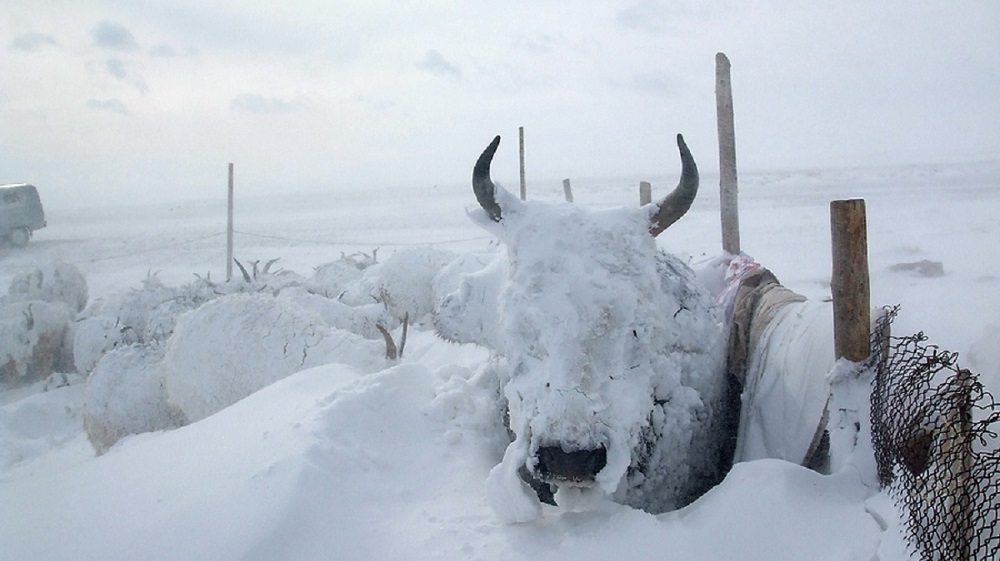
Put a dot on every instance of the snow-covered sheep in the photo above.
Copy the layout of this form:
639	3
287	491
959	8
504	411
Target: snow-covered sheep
148	313
125	395
336	276
362	320
612	354
52	282
234	345
96	335
403	283
31	339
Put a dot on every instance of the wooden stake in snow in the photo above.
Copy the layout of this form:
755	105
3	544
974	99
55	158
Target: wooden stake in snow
728	193
520	150
956	450
849	283
956	446
229	229
645	193
567	191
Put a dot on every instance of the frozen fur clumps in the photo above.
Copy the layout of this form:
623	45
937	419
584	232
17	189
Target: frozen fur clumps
608	342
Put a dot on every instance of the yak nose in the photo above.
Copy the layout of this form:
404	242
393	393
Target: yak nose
577	465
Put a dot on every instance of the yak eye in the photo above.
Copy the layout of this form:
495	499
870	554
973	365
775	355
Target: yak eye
634	334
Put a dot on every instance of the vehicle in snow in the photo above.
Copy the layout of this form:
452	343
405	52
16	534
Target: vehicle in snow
21	213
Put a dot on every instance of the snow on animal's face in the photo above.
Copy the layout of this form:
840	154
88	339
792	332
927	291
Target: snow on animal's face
610	345
581	325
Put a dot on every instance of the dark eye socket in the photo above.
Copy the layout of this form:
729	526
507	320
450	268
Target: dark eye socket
634	334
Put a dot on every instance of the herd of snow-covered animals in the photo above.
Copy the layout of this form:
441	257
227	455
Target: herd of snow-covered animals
610	355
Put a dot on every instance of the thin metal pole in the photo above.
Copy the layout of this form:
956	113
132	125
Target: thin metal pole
229	229
520	138
645	193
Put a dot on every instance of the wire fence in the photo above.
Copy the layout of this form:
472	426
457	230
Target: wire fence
935	447
285	239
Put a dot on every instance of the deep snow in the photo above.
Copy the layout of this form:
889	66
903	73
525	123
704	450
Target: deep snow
332	463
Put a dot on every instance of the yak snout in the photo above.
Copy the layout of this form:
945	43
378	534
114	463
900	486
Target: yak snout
577	466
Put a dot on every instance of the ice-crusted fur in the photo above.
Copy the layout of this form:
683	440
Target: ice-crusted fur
607	341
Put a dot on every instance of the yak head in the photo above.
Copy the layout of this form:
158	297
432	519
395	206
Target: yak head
596	329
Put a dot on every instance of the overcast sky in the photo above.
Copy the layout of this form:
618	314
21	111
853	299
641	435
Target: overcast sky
145	98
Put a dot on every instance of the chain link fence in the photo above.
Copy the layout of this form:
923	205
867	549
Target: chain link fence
936	447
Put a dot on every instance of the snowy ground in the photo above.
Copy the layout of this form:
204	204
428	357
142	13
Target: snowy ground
329	463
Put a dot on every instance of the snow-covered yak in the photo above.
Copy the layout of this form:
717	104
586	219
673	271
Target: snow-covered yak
610	352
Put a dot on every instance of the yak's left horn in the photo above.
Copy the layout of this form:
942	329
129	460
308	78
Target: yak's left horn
482	185
674	205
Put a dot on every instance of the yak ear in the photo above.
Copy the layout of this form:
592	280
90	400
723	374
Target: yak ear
677	203
470	313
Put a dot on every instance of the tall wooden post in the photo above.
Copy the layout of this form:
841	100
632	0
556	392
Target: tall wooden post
229	228
849	282
567	191
728	192
645	193
520	150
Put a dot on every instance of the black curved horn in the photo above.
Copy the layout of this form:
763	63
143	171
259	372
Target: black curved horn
482	185
674	205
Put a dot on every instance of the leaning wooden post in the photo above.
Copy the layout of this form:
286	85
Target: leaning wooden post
645	193
728	192
849	283
520	150
956	454
567	191
229	229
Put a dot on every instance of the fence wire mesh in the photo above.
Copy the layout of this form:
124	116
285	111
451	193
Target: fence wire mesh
936	448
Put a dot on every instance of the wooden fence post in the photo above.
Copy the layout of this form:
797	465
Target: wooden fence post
728	192
520	150
229	228
567	191
956	452
645	193
849	282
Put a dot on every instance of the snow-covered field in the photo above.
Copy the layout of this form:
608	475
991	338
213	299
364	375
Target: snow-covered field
331	463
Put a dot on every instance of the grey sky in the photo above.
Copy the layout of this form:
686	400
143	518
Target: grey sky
145	97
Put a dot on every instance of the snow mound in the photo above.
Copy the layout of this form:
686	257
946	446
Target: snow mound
332	462
125	395
237	344
33	426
